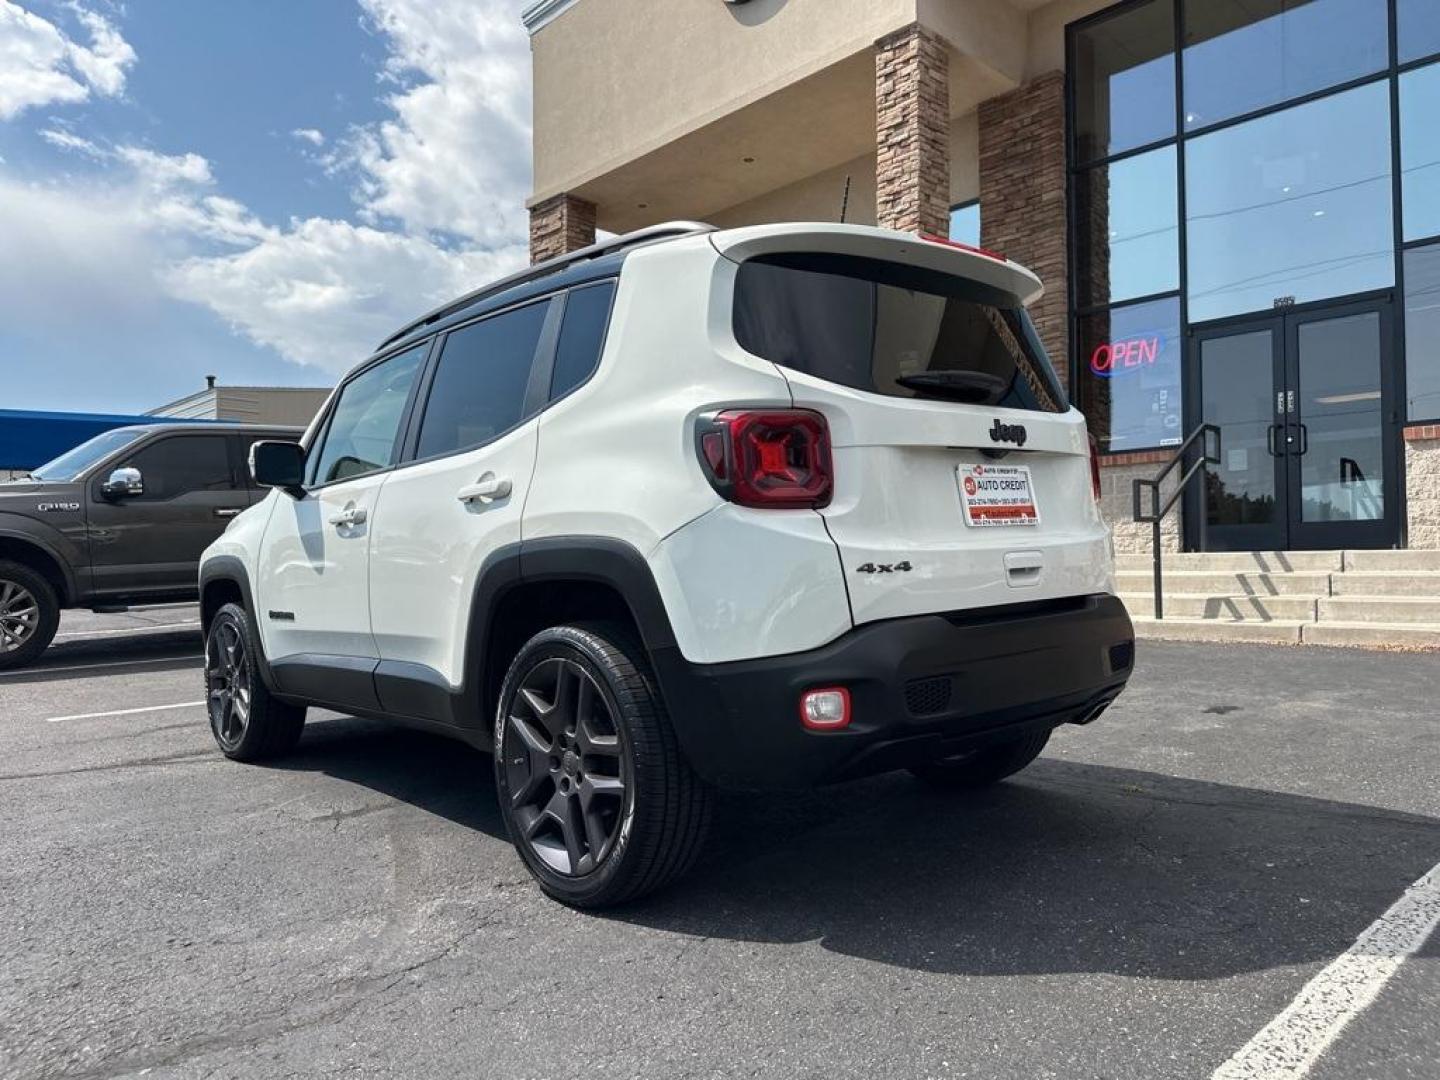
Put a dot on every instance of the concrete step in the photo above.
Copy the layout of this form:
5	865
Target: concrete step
1394	610
1394	561
1224	608
1372	635
1226	583
1386	583
1275	633
1261	561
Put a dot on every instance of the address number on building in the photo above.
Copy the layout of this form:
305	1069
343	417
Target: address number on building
994	495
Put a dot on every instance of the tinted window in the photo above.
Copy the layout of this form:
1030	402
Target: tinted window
894	330
1422	332
1297	203
1125	81
69	465
181	464
1419	26
965	224
1130	375
479	387
587	311
360	435
1420	151
1130	238
1241	55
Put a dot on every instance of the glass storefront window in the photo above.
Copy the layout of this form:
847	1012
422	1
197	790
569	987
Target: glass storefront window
1124	68
1296	204
1242	55
1419	28
1420	150
1126	217
1422	333
1130	375
965	224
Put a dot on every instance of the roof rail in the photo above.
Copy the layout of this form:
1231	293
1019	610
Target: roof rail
669	230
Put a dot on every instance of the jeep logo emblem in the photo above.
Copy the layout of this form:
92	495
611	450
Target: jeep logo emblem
1008	433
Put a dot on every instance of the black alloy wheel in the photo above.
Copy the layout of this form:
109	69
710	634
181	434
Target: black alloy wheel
565	766
227	684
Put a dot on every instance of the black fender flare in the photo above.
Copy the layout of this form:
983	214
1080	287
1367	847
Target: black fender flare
229	568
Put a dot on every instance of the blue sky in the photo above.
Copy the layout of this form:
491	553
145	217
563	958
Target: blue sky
256	190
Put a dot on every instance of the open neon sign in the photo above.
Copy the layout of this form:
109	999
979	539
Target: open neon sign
1126	356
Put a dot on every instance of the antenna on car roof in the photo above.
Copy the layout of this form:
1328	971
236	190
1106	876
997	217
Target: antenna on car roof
845	201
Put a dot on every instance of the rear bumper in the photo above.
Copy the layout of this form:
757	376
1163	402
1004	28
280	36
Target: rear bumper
921	688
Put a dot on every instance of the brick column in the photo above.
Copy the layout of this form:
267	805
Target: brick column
1022	196
912	131
560	224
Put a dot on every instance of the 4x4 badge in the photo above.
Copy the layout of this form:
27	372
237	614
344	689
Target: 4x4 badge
884	568
1015	433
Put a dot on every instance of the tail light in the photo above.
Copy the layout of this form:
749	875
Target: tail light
1095	467
773	458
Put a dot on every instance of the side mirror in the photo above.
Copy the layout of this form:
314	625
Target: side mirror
123	483
278	464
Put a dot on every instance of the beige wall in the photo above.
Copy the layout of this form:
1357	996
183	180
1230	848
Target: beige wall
615	79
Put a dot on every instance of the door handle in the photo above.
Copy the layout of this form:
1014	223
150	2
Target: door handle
1270	433
1304	439
351	515
227	511
486	490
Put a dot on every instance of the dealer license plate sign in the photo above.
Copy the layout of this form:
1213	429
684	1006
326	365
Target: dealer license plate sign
994	495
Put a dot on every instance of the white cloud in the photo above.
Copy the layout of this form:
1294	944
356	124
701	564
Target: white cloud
440	188
40	64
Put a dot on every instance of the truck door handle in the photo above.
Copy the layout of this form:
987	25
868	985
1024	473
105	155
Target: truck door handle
351	515
227	511
486	490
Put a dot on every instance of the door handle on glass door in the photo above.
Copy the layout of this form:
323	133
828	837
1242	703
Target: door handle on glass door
487	489
351	515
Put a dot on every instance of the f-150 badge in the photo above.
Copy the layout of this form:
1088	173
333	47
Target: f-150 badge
53	508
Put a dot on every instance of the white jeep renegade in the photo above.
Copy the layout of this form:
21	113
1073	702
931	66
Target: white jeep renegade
771	506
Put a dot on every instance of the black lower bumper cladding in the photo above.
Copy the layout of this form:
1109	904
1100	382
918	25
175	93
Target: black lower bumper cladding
921	688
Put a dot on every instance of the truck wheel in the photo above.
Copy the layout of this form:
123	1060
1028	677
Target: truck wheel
598	800
29	614
247	722
983	767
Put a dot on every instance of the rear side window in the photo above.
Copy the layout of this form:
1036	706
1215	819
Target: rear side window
181	464
479	387
361	434
582	335
893	329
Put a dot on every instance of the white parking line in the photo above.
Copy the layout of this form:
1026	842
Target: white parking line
1289	1045
92	667
124	712
128	629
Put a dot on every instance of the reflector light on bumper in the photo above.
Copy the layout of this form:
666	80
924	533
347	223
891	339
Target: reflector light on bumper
825	710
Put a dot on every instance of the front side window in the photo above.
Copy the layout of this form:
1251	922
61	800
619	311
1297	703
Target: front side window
69	465
480	382
361	434
1242	55
1130	375
181	464
1296	204
892	329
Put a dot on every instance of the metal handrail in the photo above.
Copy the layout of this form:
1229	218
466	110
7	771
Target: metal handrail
1157	512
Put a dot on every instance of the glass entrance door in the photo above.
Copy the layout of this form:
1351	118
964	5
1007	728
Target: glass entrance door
1308	450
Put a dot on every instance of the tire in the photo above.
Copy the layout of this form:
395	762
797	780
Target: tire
29	614
248	723
605	810
984	767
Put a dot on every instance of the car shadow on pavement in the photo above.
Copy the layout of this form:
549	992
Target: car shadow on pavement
1068	867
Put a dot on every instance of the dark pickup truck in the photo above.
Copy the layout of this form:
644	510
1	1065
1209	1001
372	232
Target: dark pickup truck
118	521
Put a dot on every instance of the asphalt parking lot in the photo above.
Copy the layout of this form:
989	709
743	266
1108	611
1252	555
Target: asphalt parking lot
1141	902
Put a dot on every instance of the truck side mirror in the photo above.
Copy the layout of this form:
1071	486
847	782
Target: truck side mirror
123	483
279	464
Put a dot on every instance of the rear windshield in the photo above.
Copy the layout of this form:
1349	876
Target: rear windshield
893	329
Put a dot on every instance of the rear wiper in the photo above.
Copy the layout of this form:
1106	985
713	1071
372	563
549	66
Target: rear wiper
972	387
